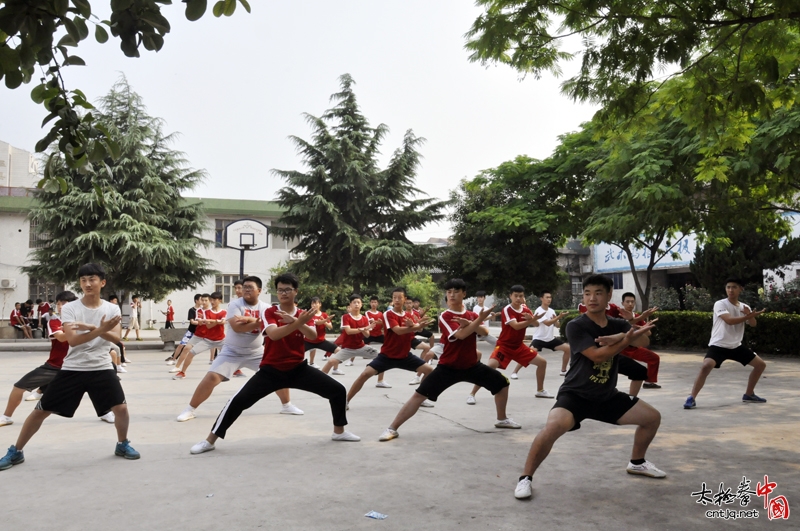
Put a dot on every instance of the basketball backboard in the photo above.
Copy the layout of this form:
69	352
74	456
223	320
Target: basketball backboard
247	235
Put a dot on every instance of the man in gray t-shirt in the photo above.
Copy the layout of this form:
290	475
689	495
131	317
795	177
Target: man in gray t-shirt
589	390
91	325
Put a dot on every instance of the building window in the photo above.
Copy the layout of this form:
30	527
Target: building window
219	231
37	239
617	278
41	289
224	284
577	285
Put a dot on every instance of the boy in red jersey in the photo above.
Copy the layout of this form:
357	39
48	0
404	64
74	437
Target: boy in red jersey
283	366
18	321
355	328
376	316
321	321
400	328
458	363
642	354
41	376
170	314
516	318
186	357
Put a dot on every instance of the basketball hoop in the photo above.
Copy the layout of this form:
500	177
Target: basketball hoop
246	235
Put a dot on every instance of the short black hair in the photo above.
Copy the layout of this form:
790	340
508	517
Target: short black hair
315	299
628	294
455	283
374	298
38	301
545	292
735	280
216	295
89	270
66	296
197	297
206	295
135	296
287	278
239	282
480	293
113	297
400	289
355	296
517	288
255	280
599	280
415	299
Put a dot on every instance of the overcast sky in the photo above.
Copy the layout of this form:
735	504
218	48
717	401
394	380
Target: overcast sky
236	88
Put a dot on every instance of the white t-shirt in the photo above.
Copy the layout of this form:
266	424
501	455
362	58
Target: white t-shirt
245	342
725	335
478	309
92	355
134	311
544	332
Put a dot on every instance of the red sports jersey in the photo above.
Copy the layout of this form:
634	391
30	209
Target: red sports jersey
58	349
612	310
375	316
458	353
394	345
16	318
44	309
201	330
216	333
417	313
510	338
321	329
170	313
354	341
288	352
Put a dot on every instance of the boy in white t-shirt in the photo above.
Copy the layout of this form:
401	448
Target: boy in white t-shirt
91	326
544	332
480	301
727	333
133	324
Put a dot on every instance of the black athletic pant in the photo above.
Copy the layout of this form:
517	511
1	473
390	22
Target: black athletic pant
168	325
269	379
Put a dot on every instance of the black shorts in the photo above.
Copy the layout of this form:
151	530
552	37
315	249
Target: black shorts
631	368
415	343
38	377
383	363
424	333
443	377
608	411
538	344
325	345
742	354
65	392
374	339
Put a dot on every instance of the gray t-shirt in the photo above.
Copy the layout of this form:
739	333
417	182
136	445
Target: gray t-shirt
247	342
587	379
92	355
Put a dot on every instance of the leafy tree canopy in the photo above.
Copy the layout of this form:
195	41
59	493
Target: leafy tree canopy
350	217
141	231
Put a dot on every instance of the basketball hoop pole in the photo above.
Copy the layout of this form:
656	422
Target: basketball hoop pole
241	259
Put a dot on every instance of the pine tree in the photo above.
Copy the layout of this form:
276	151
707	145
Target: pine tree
350	217
125	214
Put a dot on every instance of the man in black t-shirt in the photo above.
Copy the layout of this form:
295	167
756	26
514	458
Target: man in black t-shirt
590	390
189	333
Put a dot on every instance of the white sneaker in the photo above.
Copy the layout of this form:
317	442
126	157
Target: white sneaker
523	489
211	362
175	369
120	368
5	421
348	363
33	396
471	400
314	365
388	434
507	423
345	436
543	394
383	385
347	406
415	381
290	409
170	361
562	373
109	417
337	372
202	446
426	403
514	376
187	414
646	469
123	364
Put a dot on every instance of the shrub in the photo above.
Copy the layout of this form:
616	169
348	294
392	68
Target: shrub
665	298
697	299
784	300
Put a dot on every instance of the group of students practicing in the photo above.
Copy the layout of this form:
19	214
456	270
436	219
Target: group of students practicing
273	340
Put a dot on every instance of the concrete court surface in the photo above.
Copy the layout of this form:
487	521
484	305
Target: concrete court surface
450	468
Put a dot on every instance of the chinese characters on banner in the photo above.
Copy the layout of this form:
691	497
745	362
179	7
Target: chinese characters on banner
777	507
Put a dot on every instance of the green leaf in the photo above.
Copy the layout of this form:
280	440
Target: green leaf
219	8
100	34
113	148
50	186
13	79
98	152
38	93
83	7
230	7
245	4
195	9
81	25
120	5
75	60
63	185
72	29
67	40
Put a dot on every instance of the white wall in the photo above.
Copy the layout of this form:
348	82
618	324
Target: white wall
18	167
14	232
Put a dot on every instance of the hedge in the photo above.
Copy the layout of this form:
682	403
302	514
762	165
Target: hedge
776	333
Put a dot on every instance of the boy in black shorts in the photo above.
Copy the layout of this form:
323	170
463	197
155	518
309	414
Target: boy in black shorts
458	363
590	390
91	325
727	333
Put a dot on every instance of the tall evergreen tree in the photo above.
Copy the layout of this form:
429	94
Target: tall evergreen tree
349	217
125	213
